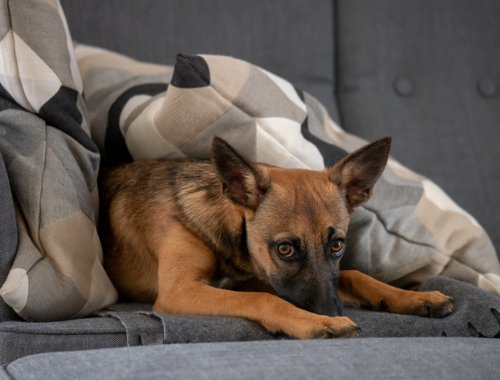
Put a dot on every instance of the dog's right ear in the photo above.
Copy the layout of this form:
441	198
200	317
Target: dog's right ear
242	181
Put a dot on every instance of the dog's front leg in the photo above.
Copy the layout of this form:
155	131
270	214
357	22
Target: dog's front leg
275	314
185	266
359	289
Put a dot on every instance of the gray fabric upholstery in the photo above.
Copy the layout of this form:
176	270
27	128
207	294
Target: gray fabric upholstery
276	35
188	328
427	73
385	358
19	339
422	71
8	235
477	314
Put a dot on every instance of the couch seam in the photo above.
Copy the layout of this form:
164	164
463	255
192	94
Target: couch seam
4	367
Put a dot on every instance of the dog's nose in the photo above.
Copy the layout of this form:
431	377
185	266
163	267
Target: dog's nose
332	306
323	300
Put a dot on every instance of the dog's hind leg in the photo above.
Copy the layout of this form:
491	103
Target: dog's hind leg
185	266
358	289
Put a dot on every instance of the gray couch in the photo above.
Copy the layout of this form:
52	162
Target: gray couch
425	72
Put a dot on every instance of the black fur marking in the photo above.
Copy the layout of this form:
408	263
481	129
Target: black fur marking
243	239
314	292
383	305
331	234
232	252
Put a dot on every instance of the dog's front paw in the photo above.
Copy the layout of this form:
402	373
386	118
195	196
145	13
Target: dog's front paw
431	304
335	327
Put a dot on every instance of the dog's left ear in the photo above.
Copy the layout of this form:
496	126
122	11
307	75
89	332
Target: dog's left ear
242	181
357	173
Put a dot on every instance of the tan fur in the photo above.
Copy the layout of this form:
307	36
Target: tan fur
172	229
358	289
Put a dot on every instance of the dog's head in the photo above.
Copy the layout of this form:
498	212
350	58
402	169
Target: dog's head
297	220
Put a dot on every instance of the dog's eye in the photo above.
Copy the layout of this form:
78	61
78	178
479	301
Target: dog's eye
338	247
285	250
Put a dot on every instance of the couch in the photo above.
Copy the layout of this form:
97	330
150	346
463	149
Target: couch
424	72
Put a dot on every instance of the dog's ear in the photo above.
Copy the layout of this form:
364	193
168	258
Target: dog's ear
356	174
242	181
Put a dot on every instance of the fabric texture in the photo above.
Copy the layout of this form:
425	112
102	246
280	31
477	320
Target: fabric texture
476	314
428	73
20	339
8	235
374	358
284	37
52	165
409	230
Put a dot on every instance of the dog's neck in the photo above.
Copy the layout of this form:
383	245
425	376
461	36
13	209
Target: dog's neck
219	222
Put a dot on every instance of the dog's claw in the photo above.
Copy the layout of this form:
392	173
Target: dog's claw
428	310
435	308
354	333
330	334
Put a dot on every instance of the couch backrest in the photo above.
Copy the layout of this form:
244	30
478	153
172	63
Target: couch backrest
290	38
428	73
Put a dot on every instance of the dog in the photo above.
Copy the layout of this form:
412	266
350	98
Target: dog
178	233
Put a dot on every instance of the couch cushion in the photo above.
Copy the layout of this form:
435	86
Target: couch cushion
19	339
428	73
476	314
386	358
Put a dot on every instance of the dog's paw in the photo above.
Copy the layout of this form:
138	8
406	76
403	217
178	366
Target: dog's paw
335	327
432	304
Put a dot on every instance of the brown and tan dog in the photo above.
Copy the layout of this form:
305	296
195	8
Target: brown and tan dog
173	229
